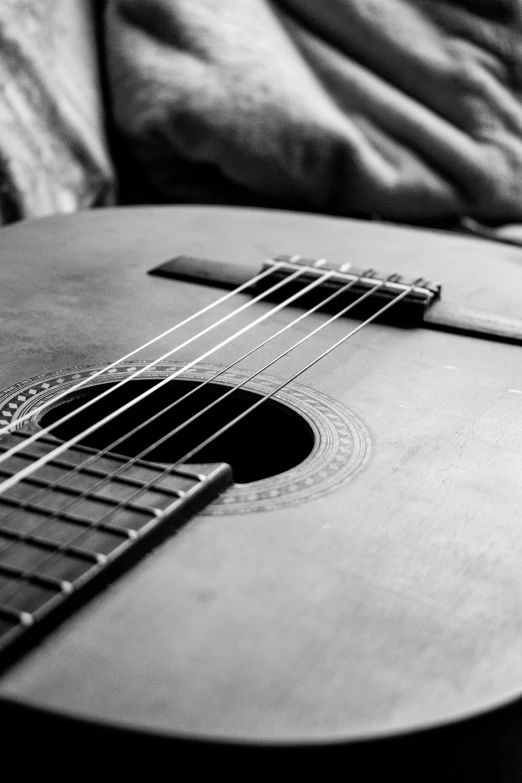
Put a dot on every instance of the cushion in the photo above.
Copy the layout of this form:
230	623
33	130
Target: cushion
408	110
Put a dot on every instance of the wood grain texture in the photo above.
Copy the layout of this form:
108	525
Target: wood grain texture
389	606
474	322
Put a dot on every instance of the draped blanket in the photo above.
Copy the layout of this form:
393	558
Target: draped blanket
53	156
406	109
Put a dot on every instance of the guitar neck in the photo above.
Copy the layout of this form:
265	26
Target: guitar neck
108	518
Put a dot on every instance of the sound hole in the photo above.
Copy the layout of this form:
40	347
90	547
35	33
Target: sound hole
270	440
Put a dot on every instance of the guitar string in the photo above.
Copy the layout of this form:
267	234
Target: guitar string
245	413
46	430
14	586
282	385
108	449
35	412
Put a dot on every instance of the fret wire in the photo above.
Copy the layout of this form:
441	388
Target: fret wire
98	560
124	533
253	281
46	484
46	581
103	526
100	525
45	543
51	441
23	618
58	589
97	472
94	560
72	441
21	579
125	465
71	517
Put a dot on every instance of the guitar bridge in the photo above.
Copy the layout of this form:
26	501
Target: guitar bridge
409	311
383	288
422	305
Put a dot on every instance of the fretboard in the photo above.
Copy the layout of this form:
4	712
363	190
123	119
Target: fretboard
66	530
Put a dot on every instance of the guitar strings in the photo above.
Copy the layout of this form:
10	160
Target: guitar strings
15	579
253	375
217	434
19	476
110	448
70	390
46	430
27	502
12	586
310	364
112	389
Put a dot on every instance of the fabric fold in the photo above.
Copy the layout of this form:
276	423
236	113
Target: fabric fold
409	109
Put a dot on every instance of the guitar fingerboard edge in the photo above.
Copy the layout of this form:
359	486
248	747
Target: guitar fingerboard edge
61	542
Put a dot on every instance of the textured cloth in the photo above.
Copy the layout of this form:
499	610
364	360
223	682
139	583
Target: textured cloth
407	109
53	156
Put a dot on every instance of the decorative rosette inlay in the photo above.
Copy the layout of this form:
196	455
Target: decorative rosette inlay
342	442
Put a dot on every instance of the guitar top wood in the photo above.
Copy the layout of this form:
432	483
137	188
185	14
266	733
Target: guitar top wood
386	601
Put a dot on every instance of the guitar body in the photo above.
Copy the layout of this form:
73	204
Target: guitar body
372	597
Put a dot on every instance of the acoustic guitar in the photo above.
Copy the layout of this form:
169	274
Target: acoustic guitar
285	531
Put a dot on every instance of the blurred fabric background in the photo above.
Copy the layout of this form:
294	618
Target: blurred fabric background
406	110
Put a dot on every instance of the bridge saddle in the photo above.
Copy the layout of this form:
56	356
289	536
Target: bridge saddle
408	312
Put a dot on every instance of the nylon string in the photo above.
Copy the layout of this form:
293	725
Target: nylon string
129	463
32	467
6	428
215	435
12	586
268	396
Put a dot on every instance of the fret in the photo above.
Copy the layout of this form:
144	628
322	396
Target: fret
128	516
41	557
112	493
17	616
67	528
31	594
59	497
98	538
7	572
9	623
119	488
135	474
73	542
